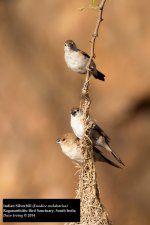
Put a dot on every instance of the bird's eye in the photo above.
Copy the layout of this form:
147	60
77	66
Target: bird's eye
71	43
63	139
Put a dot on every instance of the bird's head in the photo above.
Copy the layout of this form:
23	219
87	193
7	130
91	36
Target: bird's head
76	112
66	139
69	44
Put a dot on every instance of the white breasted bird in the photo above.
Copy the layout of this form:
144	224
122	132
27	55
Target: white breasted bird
77	60
70	146
98	136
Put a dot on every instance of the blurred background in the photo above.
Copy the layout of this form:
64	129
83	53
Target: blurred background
37	91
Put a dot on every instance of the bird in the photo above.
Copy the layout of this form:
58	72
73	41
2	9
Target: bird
77	60
70	146
98	136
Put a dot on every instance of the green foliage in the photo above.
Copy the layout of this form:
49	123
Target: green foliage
93	3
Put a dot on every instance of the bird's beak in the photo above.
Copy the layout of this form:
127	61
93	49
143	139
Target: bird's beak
58	140
73	113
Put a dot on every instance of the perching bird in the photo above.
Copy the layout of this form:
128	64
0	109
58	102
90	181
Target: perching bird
77	60
71	147
98	136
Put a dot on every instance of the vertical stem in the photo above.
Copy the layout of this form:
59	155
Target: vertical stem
85	89
92	211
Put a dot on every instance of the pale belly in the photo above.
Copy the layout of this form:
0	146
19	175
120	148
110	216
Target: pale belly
76	62
77	127
73	153
79	131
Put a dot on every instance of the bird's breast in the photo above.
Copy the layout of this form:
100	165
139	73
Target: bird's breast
73	152
76	61
77	126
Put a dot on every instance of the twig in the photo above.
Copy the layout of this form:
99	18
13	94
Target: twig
88	190
100	8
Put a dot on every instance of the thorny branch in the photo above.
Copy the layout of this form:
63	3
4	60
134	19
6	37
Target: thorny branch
92	211
100	7
85	105
91	208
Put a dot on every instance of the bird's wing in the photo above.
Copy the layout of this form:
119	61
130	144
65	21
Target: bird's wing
85	54
96	131
92	64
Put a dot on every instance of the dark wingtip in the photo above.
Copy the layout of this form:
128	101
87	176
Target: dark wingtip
115	165
118	159
99	76
112	163
104	159
122	163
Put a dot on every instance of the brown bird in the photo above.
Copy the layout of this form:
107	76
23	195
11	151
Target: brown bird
70	146
98	136
77	60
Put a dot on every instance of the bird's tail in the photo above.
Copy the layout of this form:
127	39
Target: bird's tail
117	158
114	154
98	75
98	156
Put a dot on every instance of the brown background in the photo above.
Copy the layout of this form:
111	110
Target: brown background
37	91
